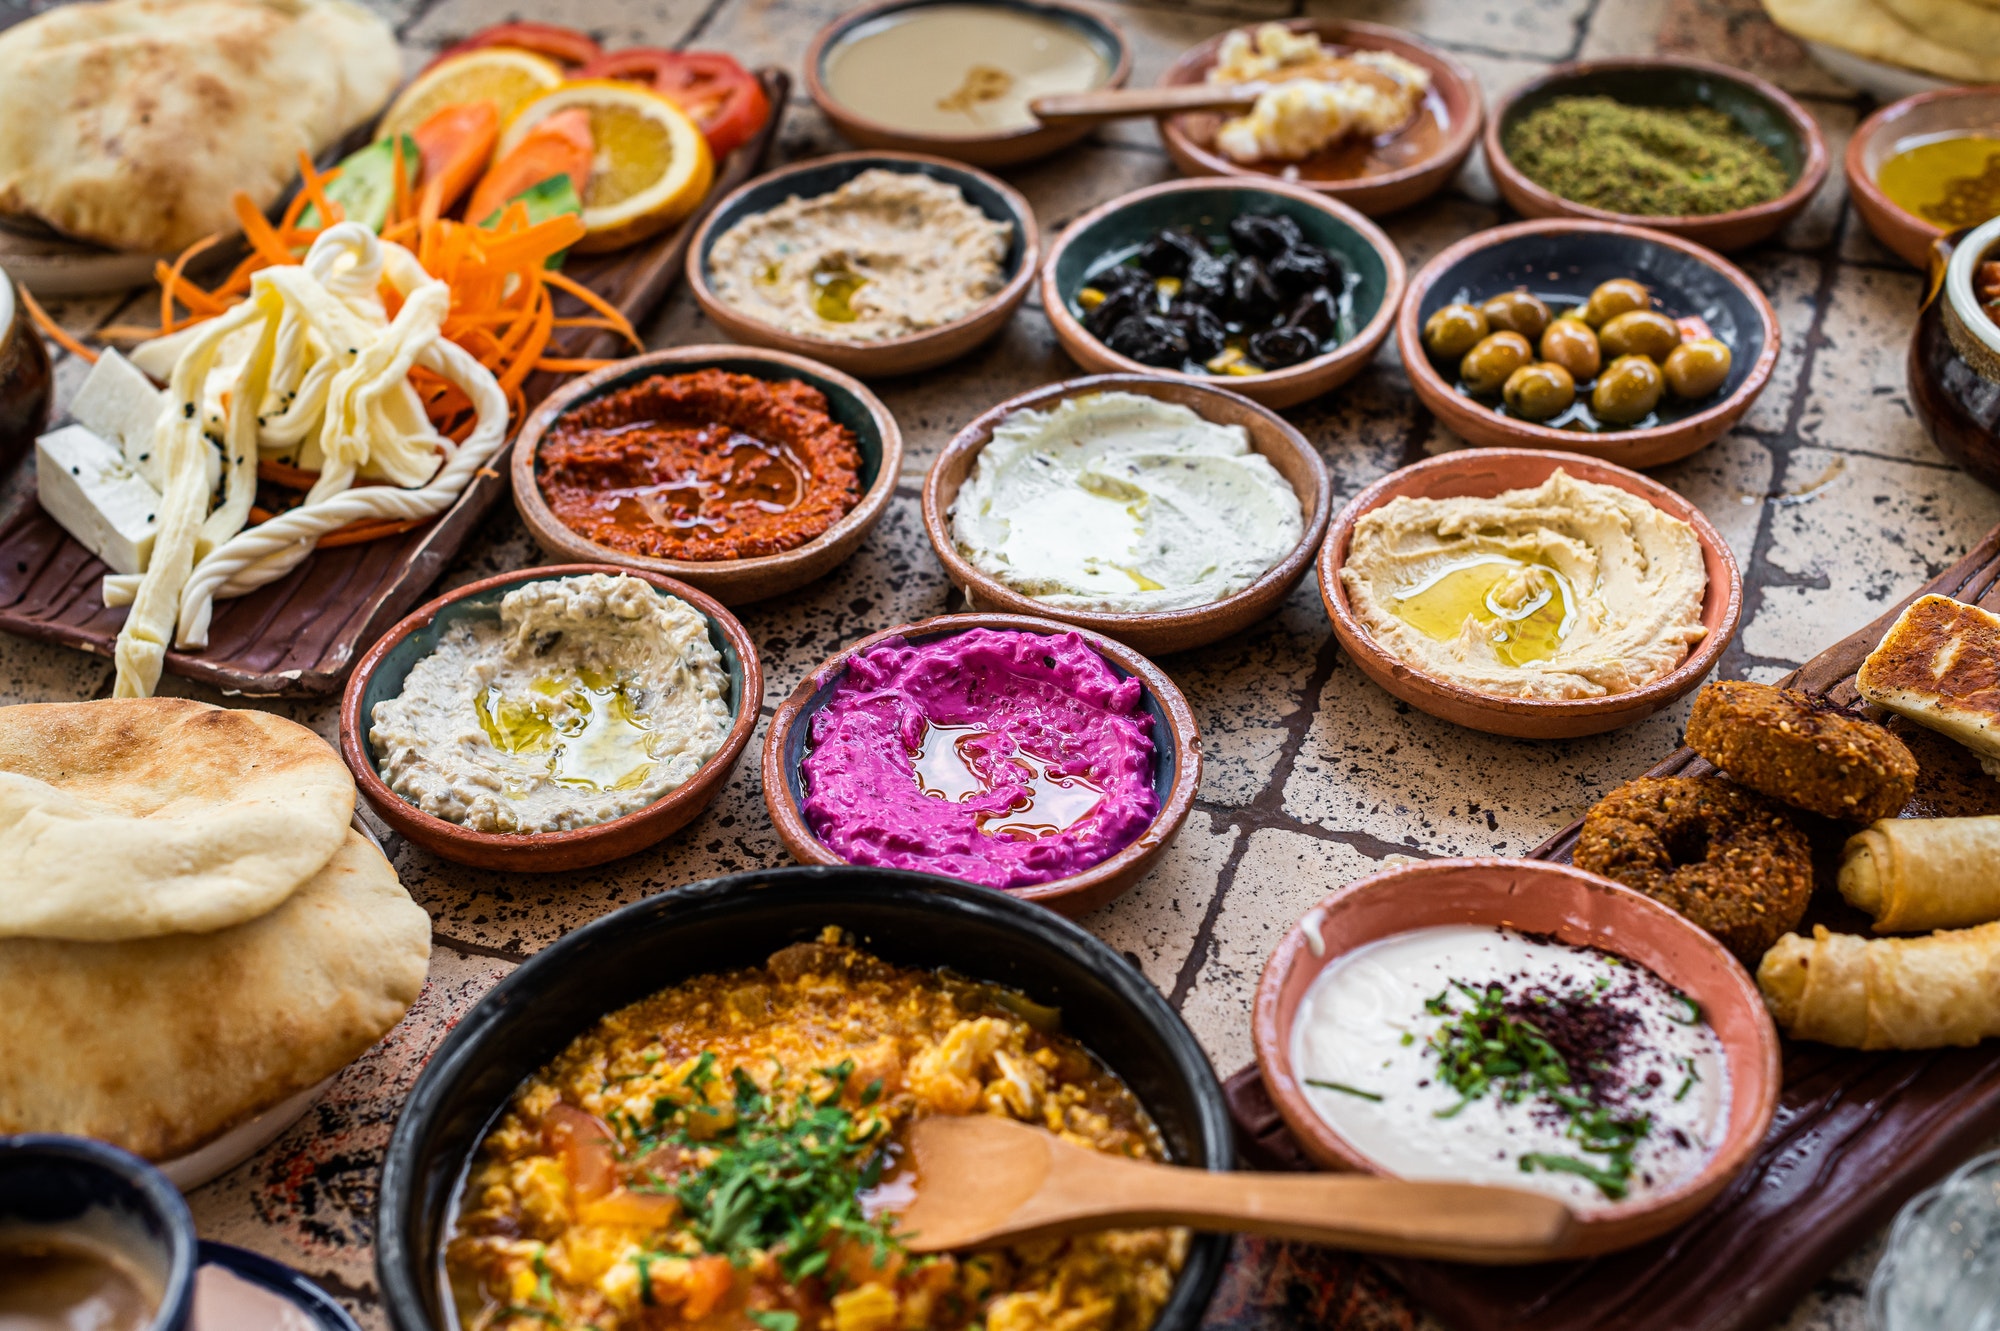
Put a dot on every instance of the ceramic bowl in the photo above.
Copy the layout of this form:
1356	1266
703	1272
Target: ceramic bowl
1159	632
1900	125
1393	171
1761	109
995	149
26	384
319	1309
1954	360
1176	771
1484	472
730	581
1371	258
1578	908
895	355
1564	260
906	918
379	677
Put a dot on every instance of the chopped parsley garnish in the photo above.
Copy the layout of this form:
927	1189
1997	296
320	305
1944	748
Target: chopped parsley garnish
1342	1088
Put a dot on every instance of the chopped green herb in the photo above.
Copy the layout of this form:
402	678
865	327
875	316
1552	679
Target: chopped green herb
774	1321
1693	1017
1344	1090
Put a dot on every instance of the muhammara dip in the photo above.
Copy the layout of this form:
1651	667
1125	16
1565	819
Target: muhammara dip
888	254
1569	590
587	699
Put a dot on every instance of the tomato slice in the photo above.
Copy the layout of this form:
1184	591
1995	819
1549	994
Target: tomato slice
564	45
588	1151
725	99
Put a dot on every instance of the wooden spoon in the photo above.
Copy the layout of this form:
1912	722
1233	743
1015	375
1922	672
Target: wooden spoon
1100	105
981	1179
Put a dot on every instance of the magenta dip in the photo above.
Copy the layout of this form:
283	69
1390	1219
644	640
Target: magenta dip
1000	757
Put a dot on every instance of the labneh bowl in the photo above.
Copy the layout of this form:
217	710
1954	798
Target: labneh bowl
889	356
380	675
1369	256
1176	761
730	581
1484	472
905	918
1152	632
1577	908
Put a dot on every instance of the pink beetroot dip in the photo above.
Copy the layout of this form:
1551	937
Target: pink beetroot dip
1003	758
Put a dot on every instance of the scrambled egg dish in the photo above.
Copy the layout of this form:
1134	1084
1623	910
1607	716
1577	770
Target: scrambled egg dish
715	1157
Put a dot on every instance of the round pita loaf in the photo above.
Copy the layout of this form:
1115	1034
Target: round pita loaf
1863	29
1957	23
137	817
163	1044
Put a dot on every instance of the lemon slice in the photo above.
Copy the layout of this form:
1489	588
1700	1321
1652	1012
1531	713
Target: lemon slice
496	74
651	167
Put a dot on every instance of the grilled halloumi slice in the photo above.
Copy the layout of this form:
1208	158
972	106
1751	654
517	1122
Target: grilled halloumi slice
1940	667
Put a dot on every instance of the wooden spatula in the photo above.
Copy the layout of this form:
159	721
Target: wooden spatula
980	1180
1069	108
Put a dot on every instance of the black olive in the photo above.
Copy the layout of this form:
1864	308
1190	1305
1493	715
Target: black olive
1253	299
1317	312
1207	280
1119	276
1169	253
1203	329
1299	270
1150	340
1265	237
1118	306
1277	347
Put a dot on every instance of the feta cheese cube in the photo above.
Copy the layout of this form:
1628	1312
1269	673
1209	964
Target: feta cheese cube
118	403
84	484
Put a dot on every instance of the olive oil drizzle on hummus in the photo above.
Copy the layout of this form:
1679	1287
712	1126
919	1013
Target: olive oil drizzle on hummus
1533	603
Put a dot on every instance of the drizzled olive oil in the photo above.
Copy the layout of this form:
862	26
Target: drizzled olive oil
594	737
1530	606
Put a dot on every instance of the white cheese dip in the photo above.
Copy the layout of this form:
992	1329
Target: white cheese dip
1370	1024
1123	503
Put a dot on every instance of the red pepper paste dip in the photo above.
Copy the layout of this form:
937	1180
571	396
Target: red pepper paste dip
702	466
999	757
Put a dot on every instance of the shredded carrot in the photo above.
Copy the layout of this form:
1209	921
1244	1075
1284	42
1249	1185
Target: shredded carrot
53	330
572	366
355	533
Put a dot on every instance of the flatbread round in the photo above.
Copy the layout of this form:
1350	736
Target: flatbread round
137	817
163	1044
1863	29
1961	24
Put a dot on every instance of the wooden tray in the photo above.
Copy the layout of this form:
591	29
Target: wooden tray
300	636
1855	1135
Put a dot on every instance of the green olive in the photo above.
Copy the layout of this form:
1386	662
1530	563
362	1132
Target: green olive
1570	343
1486	367
1454	330
1614	298
1516	312
1537	392
1629	388
1645	333
1696	369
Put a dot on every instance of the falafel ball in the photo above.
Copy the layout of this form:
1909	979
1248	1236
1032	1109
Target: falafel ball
1802	749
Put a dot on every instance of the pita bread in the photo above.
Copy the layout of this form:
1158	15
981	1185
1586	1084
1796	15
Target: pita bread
163	1044
136	817
130	123
1963	24
1863	29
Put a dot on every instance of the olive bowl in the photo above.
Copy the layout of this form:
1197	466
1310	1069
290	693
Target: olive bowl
905	918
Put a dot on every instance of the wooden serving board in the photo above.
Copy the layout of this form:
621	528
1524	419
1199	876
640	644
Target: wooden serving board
1856	1134
300	636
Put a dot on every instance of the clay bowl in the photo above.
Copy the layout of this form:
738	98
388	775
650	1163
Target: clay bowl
1176	775
1391	172
1160	632
1901	125
1372	261
1767	114
730	581
1485	472
896	355
1562	261
26	383
380	676
1578	908
1005	148
1954	357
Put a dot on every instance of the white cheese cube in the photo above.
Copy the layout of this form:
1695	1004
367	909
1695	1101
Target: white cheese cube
118	403
84	484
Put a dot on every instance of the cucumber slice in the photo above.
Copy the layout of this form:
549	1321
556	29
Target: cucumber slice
365	189
545	199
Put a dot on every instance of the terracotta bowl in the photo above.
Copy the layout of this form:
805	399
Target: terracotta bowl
1208	205
380	677
731	581
1929	115
1164	631
1578	908
1392	172
1760	108
1564	260
1484	472
1001	149
896	355
1176	776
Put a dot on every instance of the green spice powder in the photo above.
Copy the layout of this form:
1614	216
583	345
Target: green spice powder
1649	161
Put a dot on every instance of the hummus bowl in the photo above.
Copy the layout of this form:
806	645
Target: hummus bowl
1483	473
1175	757
381	676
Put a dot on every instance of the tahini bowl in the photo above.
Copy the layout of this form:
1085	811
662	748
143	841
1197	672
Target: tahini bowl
1900	125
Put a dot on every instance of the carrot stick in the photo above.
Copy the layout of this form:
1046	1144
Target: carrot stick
52	330
173	279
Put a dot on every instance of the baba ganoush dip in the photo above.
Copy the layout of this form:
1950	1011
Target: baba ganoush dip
1474	1054
1123	503
587	699
888	254
999	757
1568	590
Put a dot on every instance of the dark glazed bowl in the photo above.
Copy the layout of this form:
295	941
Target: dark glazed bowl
1760	108
26	385
1954	363
908	918
317	1306
110	1197
380	675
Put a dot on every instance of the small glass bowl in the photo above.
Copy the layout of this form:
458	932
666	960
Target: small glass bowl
1941	1269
